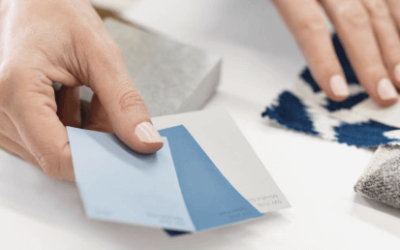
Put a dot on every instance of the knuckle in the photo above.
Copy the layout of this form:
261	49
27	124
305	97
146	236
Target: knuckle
108	47
310	24
50	164
104	56
129	98
354	14
19	86
378	8
375	71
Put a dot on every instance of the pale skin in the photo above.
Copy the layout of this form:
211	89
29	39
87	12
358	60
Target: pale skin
369	31
46	41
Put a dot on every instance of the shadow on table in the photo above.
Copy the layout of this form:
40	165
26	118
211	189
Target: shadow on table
27	191
387	218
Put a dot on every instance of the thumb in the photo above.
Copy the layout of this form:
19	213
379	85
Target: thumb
123	104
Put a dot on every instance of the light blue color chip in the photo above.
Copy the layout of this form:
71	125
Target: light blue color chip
117	184
178	188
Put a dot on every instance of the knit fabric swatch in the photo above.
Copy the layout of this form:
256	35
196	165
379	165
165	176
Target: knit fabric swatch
305	108
381	179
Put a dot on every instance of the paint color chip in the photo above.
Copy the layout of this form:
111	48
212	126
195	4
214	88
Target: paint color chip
177	188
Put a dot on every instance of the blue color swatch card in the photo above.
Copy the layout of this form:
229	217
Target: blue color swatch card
177	188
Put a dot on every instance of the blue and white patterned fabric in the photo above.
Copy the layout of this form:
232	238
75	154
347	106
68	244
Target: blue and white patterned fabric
307	109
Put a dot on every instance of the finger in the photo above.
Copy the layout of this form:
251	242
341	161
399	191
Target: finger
98	117
306	22
69	106
394	7
387	36
43	134
123	104
353	25
17	149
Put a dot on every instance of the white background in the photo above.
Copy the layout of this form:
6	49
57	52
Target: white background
317	177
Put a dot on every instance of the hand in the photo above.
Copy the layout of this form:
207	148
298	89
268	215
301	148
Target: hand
46	41
369	32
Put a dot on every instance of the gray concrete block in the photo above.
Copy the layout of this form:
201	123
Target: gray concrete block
171	77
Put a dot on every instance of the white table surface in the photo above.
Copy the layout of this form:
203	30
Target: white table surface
260	59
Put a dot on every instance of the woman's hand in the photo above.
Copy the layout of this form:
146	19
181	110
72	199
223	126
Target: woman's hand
46	41
369	31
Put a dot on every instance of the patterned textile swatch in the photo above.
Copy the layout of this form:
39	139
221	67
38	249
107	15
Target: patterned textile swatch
307	109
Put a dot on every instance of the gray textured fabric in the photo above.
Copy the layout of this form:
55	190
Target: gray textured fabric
381	179
170	76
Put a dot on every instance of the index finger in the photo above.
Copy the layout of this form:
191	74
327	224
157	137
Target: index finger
123	104
306	21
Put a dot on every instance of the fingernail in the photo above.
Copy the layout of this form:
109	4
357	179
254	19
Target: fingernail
338	86
147	133
397	72
386	90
